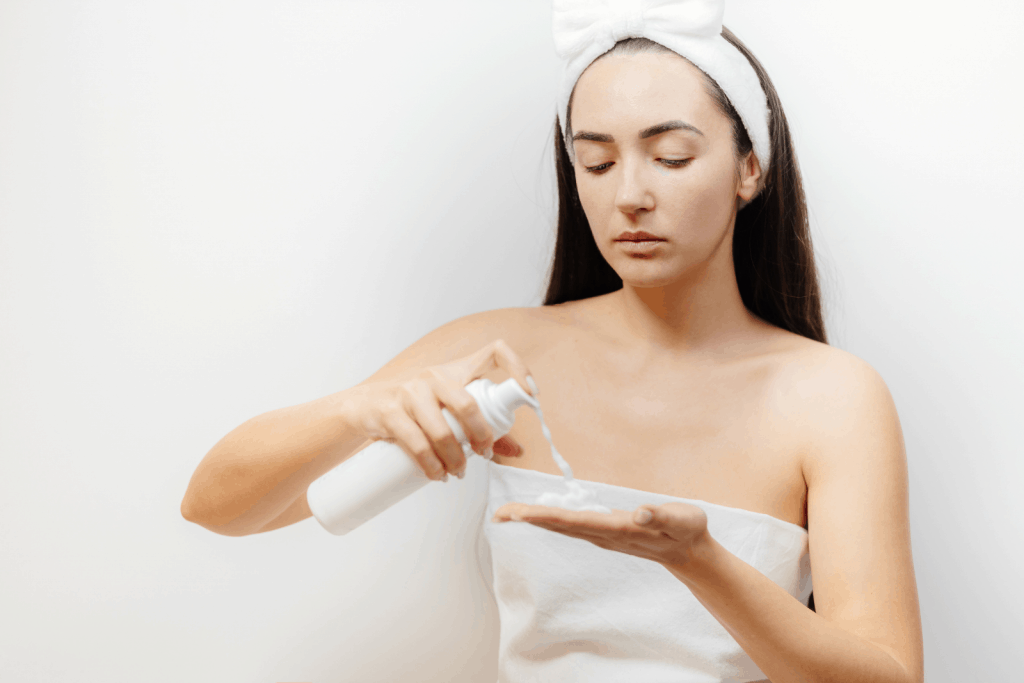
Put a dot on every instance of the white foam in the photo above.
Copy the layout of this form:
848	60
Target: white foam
577	497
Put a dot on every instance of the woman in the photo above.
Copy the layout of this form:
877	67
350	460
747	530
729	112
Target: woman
685	374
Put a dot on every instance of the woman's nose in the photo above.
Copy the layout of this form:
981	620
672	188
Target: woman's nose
633	192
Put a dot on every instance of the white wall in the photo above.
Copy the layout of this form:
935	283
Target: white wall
211	209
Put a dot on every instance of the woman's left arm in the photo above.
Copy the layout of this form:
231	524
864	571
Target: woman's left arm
867	627
867	624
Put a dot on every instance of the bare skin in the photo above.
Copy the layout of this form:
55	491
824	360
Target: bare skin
702	430
671	385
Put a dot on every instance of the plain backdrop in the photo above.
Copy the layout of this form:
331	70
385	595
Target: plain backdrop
210	209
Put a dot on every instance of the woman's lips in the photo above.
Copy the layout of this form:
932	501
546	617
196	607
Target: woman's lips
637	246
637	235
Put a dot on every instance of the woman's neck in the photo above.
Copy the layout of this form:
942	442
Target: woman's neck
697	315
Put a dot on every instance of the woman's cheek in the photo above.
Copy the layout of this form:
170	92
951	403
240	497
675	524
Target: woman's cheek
592	200
703	203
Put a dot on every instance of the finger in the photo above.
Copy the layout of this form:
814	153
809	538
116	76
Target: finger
643	516
618	526
509	360
673	518
507	446
499	354
569	531
520	512
615	539
463	407
409	435
563	518
506	512
422	404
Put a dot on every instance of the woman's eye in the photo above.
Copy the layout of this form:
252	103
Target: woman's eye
671	163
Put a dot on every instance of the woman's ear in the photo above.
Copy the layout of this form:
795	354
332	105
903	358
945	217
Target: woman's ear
750	179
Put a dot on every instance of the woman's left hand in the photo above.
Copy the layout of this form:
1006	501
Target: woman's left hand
674	532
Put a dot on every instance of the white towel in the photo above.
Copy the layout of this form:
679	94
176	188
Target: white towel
583	30
571	611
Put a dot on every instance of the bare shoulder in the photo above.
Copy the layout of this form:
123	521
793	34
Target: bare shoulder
469	332
518	326
831	384
855	467
463	336
840	403
522	327
832	400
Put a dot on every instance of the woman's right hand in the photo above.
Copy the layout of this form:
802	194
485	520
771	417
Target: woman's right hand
408	412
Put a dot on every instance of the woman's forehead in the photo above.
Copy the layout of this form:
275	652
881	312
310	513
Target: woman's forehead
654	86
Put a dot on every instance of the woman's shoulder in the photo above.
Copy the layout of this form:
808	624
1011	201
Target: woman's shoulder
502	321
816	369
521	323
839	394
803	368
521	327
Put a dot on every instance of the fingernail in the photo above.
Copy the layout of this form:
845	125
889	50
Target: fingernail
460	474
516	517
533	385
445	477
643	516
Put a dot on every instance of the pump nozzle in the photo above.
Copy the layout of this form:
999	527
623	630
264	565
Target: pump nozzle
510	395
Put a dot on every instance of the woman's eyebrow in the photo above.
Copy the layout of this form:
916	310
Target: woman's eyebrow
645	133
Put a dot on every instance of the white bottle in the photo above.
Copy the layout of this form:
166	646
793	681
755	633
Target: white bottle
380	475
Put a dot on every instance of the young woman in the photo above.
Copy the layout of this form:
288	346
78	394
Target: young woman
685	374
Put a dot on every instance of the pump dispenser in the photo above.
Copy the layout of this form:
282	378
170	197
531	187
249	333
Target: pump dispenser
380	475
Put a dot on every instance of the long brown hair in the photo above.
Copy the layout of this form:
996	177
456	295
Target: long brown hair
771	245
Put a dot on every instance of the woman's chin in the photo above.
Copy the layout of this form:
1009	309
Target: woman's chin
646	281
646	272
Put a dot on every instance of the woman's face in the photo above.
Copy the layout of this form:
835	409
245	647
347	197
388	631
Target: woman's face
677	181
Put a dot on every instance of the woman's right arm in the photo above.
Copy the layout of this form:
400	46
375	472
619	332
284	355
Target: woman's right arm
255	478
259	469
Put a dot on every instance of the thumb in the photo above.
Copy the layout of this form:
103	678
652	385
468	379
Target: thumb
507	446
680	519
645	515
656	516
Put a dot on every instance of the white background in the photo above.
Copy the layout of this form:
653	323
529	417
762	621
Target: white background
212	209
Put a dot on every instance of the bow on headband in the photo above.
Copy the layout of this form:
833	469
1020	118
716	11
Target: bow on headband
585	29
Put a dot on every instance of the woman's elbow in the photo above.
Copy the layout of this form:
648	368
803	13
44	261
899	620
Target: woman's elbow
192	512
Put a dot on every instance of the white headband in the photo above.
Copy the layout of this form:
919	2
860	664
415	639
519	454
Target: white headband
586	29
